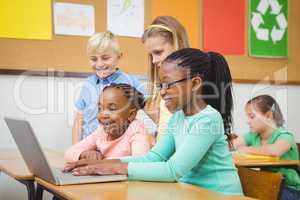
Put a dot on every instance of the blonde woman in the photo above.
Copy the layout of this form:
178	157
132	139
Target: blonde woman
164	36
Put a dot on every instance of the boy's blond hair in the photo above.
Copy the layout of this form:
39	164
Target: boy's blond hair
101	42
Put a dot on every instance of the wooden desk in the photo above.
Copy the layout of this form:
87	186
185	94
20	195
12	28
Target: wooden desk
12	164
261	184
133	191
241	161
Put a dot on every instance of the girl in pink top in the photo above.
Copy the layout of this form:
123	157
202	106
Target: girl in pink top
119	133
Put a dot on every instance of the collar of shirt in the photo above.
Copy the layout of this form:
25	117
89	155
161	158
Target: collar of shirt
108	79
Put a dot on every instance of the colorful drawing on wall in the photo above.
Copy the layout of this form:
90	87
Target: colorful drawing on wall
268	28
126	17
26	19
224	26
74	19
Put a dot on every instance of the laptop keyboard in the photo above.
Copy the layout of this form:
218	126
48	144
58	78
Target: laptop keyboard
58	173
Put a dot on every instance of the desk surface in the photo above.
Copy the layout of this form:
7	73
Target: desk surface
16	168
241	161
130	190
12	163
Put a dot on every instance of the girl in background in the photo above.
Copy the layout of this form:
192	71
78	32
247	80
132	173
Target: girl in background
268	137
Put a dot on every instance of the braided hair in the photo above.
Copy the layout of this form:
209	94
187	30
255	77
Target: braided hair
135	97
216	79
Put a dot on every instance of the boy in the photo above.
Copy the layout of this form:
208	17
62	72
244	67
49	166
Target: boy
104	54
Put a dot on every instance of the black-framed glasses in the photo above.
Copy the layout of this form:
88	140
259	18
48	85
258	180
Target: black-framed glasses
166	86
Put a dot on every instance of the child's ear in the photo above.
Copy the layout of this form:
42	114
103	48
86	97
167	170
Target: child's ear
132	114
197	82
269	115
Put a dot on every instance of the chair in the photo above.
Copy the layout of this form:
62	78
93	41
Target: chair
298	168
263	185
298	145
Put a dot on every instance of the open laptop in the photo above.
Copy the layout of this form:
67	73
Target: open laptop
37	162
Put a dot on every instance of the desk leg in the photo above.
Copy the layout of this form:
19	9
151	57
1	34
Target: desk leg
30	188
39	192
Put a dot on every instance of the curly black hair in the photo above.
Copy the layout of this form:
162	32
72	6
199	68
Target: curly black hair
135	97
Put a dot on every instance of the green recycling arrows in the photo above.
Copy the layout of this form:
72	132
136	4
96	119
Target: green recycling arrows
268	28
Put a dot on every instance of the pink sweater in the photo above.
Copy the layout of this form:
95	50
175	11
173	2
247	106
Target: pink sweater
135	141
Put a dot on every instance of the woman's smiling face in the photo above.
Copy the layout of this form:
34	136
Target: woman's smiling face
158	48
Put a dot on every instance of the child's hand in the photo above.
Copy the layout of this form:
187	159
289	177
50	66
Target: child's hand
101	168
91	155
69	166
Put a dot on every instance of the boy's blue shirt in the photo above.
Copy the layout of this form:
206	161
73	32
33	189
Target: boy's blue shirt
90	92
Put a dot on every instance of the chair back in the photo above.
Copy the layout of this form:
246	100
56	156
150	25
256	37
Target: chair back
263	185
298	145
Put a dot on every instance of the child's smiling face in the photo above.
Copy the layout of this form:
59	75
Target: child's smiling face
104	64
115	112
178	95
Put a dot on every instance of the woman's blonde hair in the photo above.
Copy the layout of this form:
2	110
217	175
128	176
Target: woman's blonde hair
101	42
172	31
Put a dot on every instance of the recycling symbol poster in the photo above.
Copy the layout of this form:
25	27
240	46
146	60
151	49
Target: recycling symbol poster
268	28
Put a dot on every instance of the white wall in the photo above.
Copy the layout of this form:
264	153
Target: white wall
48	104
287	96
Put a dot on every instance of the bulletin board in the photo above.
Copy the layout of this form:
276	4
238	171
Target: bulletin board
67	53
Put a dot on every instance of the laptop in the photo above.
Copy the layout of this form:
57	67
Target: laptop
37	163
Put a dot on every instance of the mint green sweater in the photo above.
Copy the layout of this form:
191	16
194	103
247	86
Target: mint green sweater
193	150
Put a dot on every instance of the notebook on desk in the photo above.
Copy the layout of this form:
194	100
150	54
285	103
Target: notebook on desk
255	157
36	160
